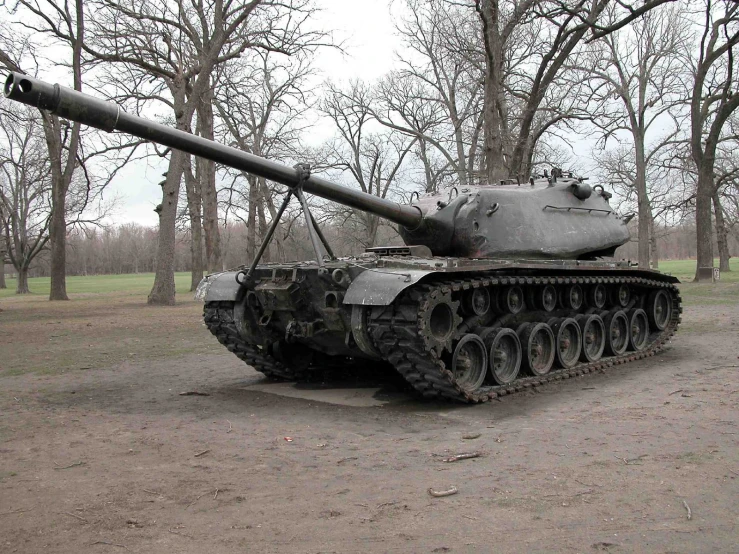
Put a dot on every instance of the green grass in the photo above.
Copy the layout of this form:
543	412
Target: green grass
722	293
139	283
685	270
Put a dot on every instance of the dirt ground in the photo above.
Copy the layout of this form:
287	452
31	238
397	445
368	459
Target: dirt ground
99	452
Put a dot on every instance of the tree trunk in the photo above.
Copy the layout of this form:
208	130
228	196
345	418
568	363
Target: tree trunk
163	291
58	240
60	184
57	224
722	234
280	247
644	209
704	192
427	172
192	187
209	194
22	287
375	222
459	140
263	220
251	222
653	252
495	169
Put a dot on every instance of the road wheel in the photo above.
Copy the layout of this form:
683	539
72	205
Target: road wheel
593	337
617	333
469	363
638	329
537	345
569	342
659	309
597	296
504	356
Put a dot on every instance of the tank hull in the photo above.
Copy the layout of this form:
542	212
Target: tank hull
415	314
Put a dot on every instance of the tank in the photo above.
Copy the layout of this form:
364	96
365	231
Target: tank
498	288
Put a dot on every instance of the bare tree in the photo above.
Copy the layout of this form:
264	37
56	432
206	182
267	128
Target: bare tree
167	42
636	80
668	187
63	24
726	177
177	47
436	95
25	189
53	23
374	160
481	86
560	26
726	173
261	104
712	102
679	197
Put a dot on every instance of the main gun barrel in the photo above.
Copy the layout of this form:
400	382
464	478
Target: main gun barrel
108	116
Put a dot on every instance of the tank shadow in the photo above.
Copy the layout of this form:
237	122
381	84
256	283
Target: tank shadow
359	386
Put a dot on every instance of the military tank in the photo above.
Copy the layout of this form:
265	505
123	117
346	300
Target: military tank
498	288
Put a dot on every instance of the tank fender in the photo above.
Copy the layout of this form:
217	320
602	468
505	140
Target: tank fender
218	287
379	287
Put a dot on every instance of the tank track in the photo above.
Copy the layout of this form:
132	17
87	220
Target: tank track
219	319
397	331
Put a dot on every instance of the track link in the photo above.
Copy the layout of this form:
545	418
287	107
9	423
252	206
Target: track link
397	333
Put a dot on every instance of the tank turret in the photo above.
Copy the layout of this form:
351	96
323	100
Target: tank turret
498	289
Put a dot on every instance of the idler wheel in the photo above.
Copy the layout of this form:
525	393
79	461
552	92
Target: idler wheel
617	333
476	301
537	344
621	295
597	296
659	309
638	329
510	300
469	363
572	297
543	298
593	337
569	341
504	356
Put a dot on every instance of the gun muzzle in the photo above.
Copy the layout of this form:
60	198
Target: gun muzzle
58	100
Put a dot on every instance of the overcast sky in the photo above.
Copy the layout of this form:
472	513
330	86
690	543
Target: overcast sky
367	32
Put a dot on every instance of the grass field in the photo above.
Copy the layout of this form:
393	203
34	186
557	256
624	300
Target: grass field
685	270
141	283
